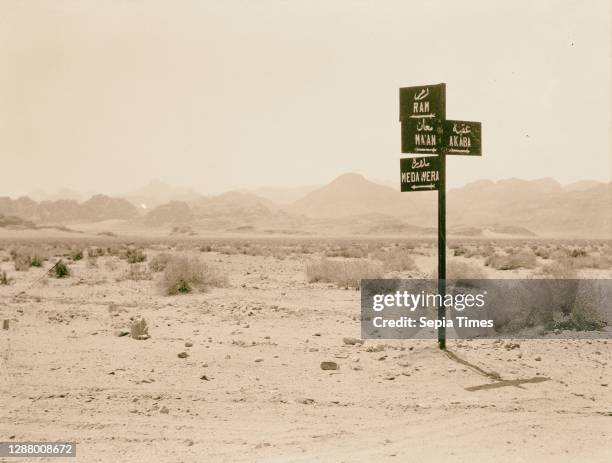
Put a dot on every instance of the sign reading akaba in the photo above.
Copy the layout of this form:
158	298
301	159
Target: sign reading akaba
420	174
462	137
422	110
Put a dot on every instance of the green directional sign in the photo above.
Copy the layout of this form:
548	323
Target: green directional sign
420	174
462	137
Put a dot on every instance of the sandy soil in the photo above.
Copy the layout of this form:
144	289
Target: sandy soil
251	387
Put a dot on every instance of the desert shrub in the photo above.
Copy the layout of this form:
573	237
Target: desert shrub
598	262
60	270
76	254
135	255
159	262
558	270
95	251
346	274
4	279
139	329
520	259
27	256
578	252
184	273
458	270
349	252
576	322
395	260
137	272
459	250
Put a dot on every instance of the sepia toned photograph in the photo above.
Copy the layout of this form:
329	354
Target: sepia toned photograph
306	231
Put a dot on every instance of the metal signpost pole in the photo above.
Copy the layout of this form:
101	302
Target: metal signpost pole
442	249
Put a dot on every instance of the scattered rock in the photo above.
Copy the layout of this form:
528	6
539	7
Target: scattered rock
182	355
377	348
329	366
538	359
189	442
165	410
512	345
306	401
257	360
122	333
352	341
188	344
205	378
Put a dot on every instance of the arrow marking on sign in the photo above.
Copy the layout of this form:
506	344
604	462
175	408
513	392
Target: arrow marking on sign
420	116
431	186
429	150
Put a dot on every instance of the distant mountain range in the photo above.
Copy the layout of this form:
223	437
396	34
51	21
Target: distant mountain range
350	204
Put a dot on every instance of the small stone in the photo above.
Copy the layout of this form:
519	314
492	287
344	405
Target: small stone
538	359
306	401
182	355
122	333
165	410
189	442
204	378
257	360
352	341
188	344
329	365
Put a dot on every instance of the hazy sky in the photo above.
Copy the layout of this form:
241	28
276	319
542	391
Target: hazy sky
218	95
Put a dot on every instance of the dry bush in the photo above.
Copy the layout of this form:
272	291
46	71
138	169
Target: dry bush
557	270
598	262
159	262
76	254
352	251
345	274
520	259
135	255
4	279
137	272
185	273
59	270
139	329
458	270
395	260
28	256
95	251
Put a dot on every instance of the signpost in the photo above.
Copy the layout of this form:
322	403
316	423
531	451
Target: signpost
425	130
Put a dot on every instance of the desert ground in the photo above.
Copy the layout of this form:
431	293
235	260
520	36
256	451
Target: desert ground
229	369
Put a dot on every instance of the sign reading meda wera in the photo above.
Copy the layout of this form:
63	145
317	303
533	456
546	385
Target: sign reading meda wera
462	137
420	174
422	110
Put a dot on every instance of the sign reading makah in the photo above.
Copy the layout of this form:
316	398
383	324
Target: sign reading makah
400	309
